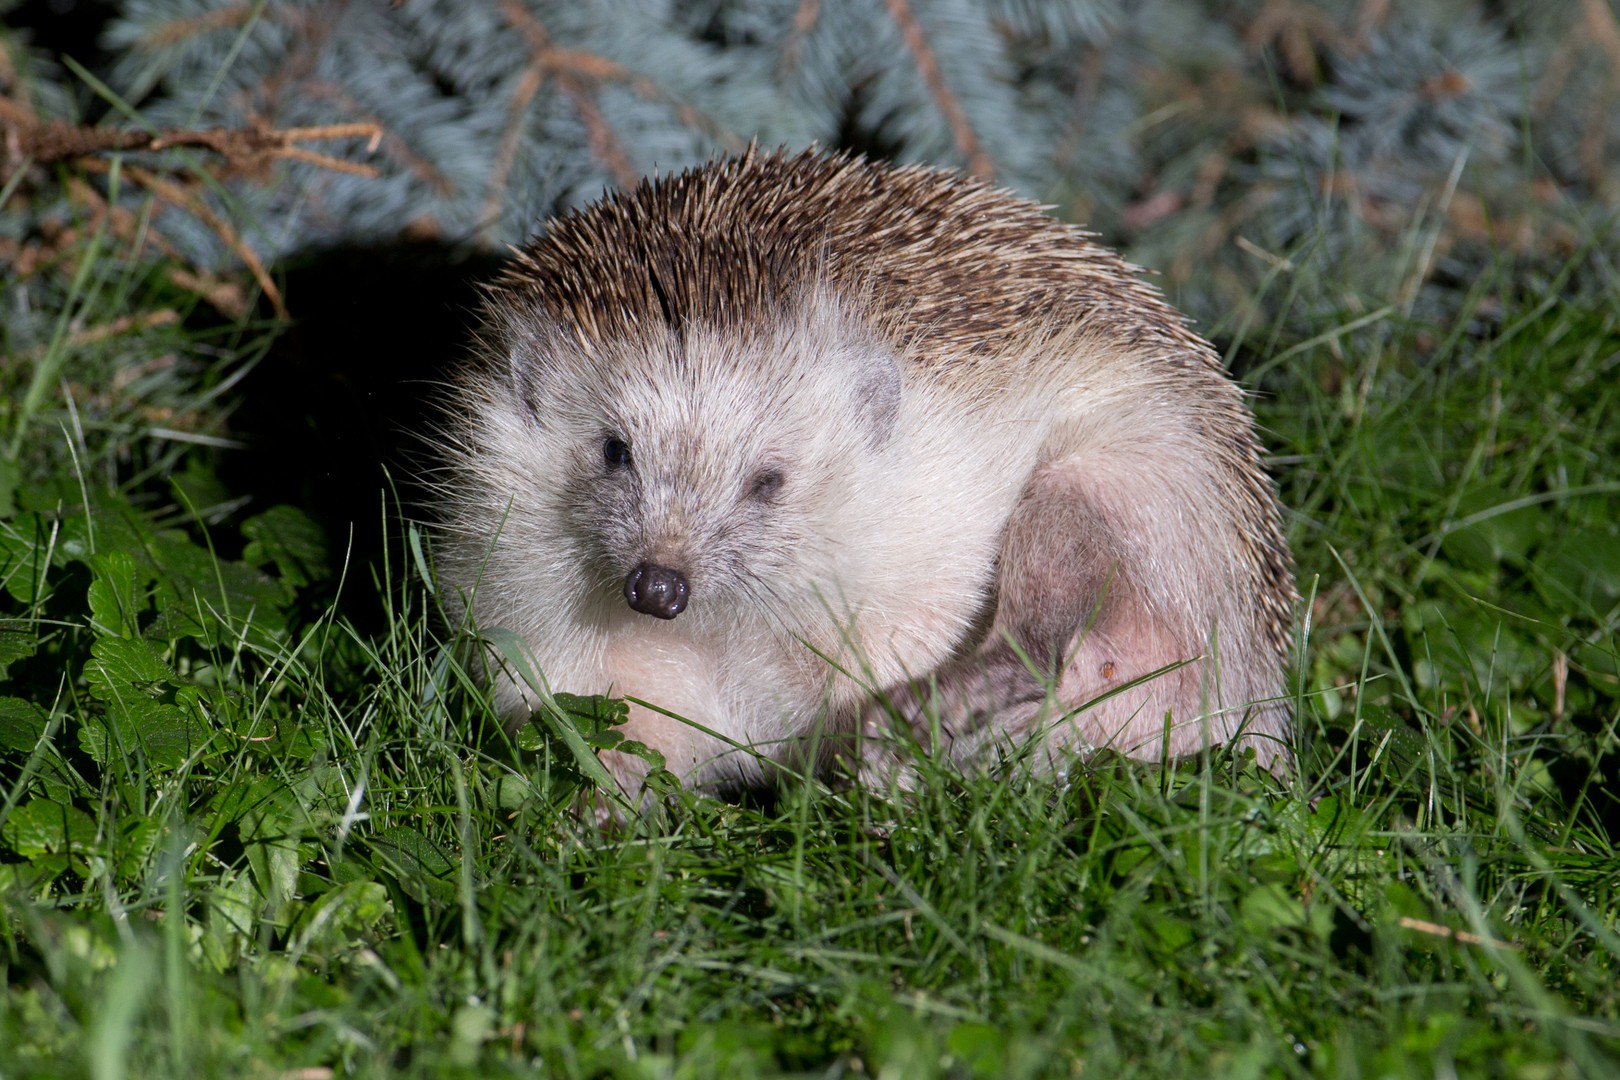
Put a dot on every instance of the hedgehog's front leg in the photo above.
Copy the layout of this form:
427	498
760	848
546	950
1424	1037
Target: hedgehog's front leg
681	682
1091	597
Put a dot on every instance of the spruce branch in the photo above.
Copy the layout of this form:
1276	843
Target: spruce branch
573	69
227	297
579	74
1087	89
1297	32
13	91
120	221
56	243
922	54
1199	134
522	97
85	336
804	21
604	147
1603	28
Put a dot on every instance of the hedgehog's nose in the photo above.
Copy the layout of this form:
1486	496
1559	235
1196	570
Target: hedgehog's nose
656	590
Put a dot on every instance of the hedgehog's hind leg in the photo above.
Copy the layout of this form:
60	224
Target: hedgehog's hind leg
1097	586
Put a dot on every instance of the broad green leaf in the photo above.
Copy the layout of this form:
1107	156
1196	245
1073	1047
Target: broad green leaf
331	921
237	800
111	525
420	866
274	855
16	645
592	713
412	852
32	878
138	838
214	600
641	750
517	655
278	737
22	724
604	740
530	737
199	488
164	735
1270	907
119	666
512	791
23	547
114	607
288	539
233	915
1497	530
1171	933
40	827
1581	567
10	480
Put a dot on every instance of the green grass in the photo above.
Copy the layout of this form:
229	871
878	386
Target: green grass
240	837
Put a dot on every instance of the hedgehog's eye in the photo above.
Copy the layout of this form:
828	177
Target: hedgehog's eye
615	452
766	485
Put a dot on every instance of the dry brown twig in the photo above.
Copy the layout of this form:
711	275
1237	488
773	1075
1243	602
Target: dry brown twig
186	199
176	31
1434	929
85	336
247	151
571	70
392	146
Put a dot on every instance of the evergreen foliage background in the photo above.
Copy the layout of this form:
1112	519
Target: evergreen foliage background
1221	141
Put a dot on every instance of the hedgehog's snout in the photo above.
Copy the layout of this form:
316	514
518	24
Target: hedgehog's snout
656	590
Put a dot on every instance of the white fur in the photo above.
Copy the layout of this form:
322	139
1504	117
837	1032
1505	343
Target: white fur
881	554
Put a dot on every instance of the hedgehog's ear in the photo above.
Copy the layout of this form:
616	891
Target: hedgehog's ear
515	345
868	363
533	351
525	360
877	395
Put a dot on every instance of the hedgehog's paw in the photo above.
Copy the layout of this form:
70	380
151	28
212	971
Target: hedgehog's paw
884	758
612	810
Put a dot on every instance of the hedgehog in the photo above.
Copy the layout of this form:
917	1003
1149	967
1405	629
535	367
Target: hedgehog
823	464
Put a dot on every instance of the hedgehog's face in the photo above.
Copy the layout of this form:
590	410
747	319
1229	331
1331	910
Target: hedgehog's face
709	469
